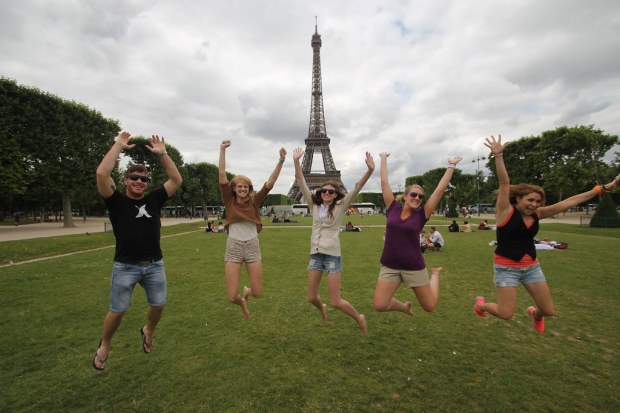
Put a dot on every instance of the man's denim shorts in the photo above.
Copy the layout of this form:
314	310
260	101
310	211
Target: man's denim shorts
323	262
513	276
151	276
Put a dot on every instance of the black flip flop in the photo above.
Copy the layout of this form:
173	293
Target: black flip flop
145	346
103	362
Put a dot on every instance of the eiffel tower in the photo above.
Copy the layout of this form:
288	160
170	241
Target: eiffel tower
317	140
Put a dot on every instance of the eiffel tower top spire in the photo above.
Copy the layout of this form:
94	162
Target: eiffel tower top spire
317	140
317	115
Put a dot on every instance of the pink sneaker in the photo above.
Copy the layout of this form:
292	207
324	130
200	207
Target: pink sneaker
539	325
481	313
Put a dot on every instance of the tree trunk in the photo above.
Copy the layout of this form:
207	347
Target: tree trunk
66	210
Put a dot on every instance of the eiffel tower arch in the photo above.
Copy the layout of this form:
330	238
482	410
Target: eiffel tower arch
317	140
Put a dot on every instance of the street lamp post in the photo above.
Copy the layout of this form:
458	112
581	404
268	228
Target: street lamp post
478	159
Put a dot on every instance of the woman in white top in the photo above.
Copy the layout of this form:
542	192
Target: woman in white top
244	223
328	206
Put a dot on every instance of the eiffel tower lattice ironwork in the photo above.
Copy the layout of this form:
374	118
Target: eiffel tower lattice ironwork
317	140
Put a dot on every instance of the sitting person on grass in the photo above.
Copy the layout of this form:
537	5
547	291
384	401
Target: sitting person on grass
454	227
351	228
434	241
484	225
466	227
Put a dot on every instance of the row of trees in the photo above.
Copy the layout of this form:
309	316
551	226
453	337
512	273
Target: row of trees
49	149
52	148
565	161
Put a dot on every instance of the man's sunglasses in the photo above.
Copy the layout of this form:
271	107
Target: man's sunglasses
327	191
415	195
142	178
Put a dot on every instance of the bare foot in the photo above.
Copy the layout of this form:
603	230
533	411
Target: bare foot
408	308
244	309
362	323
247	292
324	312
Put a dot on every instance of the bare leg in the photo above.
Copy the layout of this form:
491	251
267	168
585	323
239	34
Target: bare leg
428	295
314	280
255	274
111	322
233	272
542	298
384	300
336	301
153	317
506	303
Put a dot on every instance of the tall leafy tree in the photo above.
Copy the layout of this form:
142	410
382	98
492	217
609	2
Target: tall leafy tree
59	143
572	157
140	155
430	179
15	173
564	161
202	187
523	160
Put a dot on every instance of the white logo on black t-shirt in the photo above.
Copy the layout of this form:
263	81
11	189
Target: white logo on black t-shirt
142	212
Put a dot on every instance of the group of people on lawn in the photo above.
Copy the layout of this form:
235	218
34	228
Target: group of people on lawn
138	257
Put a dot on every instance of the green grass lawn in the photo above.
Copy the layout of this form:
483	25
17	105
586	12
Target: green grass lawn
206	358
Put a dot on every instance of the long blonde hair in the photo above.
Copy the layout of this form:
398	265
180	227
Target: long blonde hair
401	197
237	179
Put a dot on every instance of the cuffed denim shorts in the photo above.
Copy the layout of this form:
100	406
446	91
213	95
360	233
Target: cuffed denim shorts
513	276
323	262
151	276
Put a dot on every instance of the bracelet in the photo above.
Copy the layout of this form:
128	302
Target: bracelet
498	154
452	166
281	160
164	153
599	189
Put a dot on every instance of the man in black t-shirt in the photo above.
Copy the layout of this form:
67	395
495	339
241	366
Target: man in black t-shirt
135	218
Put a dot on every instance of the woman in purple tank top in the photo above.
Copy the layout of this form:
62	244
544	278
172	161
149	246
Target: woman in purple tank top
401	260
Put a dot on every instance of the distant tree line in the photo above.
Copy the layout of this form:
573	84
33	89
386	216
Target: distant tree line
565	161
51	149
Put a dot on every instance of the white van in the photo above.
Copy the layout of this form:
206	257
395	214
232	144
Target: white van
484	208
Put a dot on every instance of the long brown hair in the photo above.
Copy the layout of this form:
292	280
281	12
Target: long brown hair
316	197
522	190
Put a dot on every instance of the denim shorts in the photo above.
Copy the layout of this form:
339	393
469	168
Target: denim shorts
152	277
513	276
323	262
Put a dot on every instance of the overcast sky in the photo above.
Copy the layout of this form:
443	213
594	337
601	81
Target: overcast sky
423	80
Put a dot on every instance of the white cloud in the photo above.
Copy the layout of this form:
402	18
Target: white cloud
421	80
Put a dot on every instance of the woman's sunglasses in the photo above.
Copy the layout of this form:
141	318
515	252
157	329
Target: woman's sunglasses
327	191
415	195
142	178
